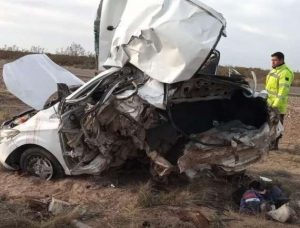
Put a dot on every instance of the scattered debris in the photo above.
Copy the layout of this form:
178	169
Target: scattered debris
112	186
79	224
57	206
265	179
283	214
265	197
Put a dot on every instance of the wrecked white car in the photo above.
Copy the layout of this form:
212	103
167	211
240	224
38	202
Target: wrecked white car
159	100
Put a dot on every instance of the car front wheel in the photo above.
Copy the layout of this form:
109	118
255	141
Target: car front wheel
39	162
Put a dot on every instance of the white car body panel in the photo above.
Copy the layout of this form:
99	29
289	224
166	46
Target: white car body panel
40	130
110	16
92	82
43	129
33	79
166	39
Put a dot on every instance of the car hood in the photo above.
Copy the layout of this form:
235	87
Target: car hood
169	40
33	79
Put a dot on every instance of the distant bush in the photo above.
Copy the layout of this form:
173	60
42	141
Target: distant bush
85	62
72	50
73	55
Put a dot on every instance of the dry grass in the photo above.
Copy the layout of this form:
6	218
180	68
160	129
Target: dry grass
283	168
148	198
237	220
60	221
151	207
19	214
212	196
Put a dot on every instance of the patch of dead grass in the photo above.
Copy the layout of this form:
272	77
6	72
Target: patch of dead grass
236	220
19	215
147	197
283	168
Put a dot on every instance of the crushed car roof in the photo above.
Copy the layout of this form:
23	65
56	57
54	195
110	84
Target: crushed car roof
33	79
169	40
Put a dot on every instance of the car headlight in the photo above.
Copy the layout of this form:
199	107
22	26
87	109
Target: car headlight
8	133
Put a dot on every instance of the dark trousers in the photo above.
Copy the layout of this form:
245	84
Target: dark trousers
276	146
282	118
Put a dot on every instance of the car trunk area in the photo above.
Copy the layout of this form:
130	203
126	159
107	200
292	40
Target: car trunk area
197	117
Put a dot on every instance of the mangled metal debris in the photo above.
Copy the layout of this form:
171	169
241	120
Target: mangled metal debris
230	146
169	40
105	131
160	100
283	214
57	206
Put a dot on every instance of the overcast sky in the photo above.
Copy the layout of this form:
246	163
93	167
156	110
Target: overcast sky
256	28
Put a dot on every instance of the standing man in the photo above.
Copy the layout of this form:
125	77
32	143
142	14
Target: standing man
278	85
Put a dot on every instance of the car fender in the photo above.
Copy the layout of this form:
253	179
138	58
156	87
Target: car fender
41	130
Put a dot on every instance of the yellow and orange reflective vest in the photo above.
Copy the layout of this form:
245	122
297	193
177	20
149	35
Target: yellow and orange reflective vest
278	85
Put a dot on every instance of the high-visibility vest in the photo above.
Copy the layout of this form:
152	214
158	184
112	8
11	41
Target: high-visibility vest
278	85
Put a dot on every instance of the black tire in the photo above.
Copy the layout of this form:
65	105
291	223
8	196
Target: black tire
32	158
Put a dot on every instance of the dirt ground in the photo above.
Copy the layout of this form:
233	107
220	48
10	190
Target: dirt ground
125	198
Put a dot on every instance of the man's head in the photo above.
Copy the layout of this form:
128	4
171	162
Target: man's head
277	59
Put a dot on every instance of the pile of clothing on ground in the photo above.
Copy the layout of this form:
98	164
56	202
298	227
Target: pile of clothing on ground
264	197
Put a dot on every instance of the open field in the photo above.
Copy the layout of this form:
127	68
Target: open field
124	198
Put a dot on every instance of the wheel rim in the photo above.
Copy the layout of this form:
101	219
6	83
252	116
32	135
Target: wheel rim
40	166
